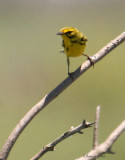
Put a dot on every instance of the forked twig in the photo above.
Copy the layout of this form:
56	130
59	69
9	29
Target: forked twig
105	147
72	131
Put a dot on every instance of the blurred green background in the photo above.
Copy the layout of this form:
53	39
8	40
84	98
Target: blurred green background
31	66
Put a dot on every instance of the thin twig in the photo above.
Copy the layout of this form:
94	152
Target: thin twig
96	126
72	131
105	147
53	94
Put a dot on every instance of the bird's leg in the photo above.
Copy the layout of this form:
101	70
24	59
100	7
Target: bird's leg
90	59
68	63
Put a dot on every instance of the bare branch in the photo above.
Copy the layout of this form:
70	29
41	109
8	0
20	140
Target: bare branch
95	137
72	131
105	147
53	94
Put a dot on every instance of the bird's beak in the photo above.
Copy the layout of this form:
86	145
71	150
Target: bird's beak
60	33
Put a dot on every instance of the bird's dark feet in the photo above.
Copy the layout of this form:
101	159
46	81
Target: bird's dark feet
92	61
71	75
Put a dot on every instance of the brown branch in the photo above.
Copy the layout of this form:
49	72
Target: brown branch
105	147
72	131
95	137
4	153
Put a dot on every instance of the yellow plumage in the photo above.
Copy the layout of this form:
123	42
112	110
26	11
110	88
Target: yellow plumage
74	43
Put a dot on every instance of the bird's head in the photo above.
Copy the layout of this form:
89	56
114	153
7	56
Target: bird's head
70	32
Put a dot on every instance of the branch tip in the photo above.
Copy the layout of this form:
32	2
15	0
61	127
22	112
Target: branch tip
88	124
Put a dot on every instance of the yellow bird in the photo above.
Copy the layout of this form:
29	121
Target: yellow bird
74	43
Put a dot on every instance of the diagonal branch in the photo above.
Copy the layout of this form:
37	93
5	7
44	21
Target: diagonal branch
4	153
72	131
105	147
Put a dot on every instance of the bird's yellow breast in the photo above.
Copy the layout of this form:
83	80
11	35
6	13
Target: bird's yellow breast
74	49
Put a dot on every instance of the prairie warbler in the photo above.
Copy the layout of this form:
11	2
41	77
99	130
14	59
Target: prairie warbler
74	43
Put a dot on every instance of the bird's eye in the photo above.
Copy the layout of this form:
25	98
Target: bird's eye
69	32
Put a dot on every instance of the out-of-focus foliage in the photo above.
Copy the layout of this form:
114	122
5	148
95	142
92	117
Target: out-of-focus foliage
31	66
